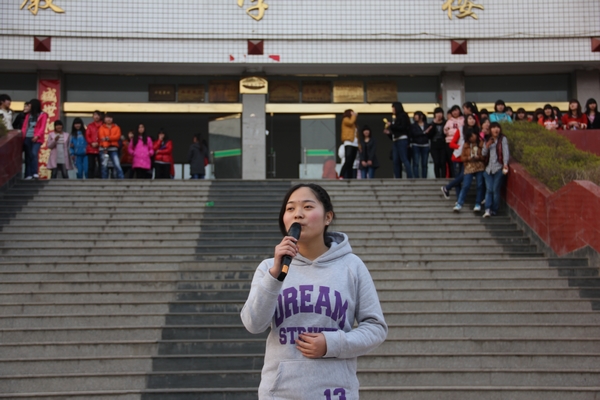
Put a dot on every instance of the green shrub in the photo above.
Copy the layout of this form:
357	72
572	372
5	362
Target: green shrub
3	129
550	157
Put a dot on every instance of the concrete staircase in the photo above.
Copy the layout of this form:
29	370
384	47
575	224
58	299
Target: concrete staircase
132	290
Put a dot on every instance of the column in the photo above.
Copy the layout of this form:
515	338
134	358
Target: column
452	89
587	85
254	157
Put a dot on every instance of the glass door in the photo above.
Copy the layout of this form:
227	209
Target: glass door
225	138
317	138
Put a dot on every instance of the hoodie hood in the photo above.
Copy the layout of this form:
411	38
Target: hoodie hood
339	246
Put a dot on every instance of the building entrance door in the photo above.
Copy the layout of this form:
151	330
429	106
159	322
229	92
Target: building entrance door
225	138
317	145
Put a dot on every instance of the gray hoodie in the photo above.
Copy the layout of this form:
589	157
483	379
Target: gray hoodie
325	295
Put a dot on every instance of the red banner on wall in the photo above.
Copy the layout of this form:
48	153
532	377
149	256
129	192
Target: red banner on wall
49	95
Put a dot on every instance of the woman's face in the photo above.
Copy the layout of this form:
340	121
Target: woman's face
141	129
26	108
593	106
161	136
304	207
466	111
473	139
77	126
367	133
500	108
495	132
486	126
130	135
521	115
471	120
548	112
456	113
573	106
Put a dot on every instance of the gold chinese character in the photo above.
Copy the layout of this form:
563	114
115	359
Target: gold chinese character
260	6
35	5
50	109
464	8
49	96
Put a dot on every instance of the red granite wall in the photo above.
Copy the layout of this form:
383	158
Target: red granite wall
566	220
586	140
11	149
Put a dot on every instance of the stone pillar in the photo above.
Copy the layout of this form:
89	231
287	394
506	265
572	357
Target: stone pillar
452	89
254	157
587	85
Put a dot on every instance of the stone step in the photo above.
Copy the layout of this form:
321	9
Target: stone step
76	348
481	377
150	281
107	241
488	305
255	247
524	331
568	267
490	317
457	237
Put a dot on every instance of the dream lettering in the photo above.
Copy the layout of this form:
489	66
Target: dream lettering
306	300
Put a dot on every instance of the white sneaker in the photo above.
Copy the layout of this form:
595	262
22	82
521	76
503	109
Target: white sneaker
28	178
446	193
36	176
477	208
457	208
487	214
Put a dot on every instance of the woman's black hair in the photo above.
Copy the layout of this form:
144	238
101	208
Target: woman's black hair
365	128
587	105
36	108
484	111
166	138
495	125
136	136
455	107
421	115
471	106
438	110
550	117
468	134
398	107
319	193
497	103
77	121
578	111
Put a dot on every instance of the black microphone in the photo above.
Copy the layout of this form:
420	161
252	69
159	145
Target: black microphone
286	260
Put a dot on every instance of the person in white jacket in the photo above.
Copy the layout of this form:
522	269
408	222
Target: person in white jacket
313	345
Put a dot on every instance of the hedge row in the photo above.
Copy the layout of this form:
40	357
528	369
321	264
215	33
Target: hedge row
550	157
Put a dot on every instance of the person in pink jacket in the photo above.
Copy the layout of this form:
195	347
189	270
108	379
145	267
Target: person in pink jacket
141	149
34	129
455	122
58	143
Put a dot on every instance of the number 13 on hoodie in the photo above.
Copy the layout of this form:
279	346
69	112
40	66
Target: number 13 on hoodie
339	393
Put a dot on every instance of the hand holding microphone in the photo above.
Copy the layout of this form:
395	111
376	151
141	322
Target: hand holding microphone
285	252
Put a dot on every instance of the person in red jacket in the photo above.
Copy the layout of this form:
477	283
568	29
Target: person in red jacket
93	144
163	156
574	119
108	136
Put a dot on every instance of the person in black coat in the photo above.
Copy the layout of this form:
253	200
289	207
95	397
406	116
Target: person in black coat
398	131
368	154
196	156
591	110
420	134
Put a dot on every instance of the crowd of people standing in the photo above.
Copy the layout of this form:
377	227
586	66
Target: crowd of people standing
99	150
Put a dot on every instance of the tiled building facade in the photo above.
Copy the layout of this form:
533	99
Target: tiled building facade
107	53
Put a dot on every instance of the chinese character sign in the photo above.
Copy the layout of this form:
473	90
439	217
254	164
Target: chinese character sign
35	5
49	95
464	8
257	11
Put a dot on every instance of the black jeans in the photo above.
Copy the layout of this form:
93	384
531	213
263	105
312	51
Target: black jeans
439	161
350	155
163	171
448	162
93	166
141	173
63	171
